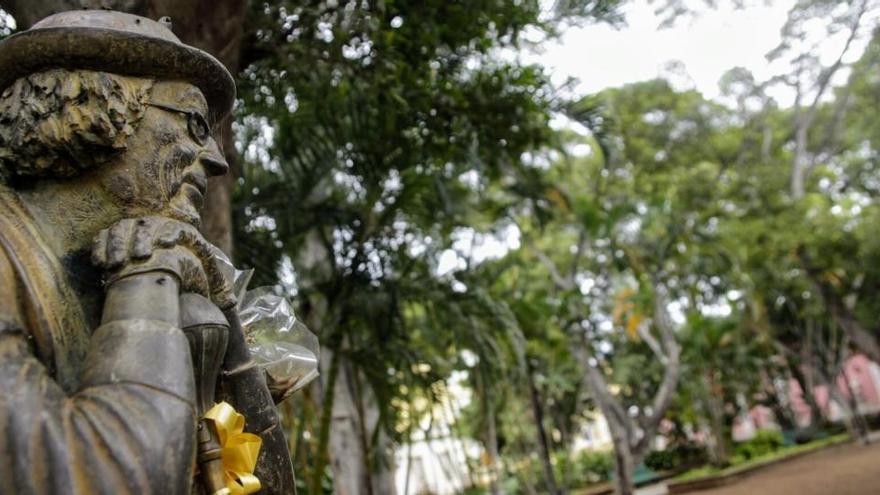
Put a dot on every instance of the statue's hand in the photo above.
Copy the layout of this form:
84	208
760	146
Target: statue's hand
145	244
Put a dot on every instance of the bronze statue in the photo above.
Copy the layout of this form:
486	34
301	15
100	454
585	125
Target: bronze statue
105	151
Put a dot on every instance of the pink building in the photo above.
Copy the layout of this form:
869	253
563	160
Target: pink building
863	379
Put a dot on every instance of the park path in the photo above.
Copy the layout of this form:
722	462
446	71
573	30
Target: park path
849	469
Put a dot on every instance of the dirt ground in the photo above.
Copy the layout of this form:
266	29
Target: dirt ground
844	470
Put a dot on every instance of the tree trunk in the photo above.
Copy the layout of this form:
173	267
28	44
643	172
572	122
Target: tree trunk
217	212
490	437
216	26
780	399
860	425
850	419
350	426
804	117
718	451
347	455
775	396
538	416
842	314
349	419
817	418
624	469
799	165
379	459
627	448
624	463
409	460
844	317
780	413
492	445
492	452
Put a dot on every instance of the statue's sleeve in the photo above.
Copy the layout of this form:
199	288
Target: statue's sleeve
130	427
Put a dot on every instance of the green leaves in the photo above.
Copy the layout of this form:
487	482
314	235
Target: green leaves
375	136
372	136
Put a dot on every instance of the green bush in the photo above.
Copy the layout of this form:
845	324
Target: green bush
691	454
806	435
661	460
765	442
571	470
594	467
677	456
584	468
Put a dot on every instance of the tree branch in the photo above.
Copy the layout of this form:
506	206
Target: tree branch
839	311
610	406
561	282
667	387
579	250
649	339
827	74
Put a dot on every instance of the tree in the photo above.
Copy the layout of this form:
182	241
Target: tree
632	436
725	359
811	79
645	221
548	386
372	134
816	123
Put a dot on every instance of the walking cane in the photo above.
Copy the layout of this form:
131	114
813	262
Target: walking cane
207	330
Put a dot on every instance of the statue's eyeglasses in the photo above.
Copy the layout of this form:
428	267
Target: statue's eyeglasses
196	123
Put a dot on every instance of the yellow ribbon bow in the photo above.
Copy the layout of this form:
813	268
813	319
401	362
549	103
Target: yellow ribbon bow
239	450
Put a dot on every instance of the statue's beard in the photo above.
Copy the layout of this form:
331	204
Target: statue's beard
186	184
170	182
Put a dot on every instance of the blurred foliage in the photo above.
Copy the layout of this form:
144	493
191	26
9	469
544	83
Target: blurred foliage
373	133
677	456
585	466
765	442
381	138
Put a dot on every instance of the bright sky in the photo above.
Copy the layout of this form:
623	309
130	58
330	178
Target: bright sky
708	45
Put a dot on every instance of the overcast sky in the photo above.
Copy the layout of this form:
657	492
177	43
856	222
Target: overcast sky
708	45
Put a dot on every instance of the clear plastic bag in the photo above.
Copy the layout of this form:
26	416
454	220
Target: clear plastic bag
278	341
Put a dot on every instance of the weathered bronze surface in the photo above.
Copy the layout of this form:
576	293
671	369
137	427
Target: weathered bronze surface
105	151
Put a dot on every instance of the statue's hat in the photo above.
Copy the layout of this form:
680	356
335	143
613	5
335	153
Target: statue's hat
116	42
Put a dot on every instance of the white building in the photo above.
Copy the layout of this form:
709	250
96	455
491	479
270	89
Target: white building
438	466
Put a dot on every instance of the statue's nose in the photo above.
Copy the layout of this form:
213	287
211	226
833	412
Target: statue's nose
213	160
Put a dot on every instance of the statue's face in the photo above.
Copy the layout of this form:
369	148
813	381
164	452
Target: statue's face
165	168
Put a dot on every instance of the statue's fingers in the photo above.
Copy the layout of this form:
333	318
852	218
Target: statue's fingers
190	236
99	248
142	240
118	242
202	248
192	239
193	276
221	286
169	234
223	296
